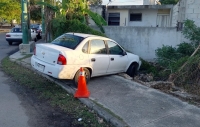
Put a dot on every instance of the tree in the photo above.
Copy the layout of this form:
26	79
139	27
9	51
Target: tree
79	9
10	10
169	1
95	2
35	8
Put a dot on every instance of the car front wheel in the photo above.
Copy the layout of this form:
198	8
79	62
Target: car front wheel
132	70
86	73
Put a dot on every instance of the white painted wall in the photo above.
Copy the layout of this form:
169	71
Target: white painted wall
149	2
122	2
149	18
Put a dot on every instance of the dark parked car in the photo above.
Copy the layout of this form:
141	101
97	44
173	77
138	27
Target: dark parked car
38	29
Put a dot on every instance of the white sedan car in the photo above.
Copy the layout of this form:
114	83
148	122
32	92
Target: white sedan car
15	35
63	57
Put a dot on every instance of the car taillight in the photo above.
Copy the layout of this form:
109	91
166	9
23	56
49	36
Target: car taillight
61	60
34	51
7	35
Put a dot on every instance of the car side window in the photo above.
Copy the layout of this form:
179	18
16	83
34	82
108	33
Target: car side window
85	48
97	47
114	48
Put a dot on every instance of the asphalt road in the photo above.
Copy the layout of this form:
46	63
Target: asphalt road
12	114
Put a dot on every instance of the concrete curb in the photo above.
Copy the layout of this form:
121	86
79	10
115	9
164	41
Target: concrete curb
71	90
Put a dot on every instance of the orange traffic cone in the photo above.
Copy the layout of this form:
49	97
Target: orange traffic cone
82	91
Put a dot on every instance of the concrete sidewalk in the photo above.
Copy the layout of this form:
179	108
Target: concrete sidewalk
127	103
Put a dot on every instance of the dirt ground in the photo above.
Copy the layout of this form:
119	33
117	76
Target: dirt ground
40	112
168	87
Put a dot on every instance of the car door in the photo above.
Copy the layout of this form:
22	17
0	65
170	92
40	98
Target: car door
118	61
99	59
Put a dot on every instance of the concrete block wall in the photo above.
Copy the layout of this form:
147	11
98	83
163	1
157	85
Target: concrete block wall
187	9
193	11
143	41
175	15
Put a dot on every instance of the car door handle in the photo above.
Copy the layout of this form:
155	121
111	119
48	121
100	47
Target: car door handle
93	59
111	59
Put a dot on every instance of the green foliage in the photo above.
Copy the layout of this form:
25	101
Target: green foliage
60	25
191	32
169	1
10	10
158	72
166	55
185	49
189	75
78	10
54	8
36	14
172	58
99	20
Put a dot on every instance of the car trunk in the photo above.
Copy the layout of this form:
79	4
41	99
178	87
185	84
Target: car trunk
16	35
49	53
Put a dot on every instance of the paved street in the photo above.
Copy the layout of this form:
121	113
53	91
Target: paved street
12	114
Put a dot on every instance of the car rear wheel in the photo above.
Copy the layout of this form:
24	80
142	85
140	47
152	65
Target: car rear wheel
10	43
87	76
132	70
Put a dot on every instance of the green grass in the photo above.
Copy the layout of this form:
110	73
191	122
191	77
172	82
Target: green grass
25	56
50	91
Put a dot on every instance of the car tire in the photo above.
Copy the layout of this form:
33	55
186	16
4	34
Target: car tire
38	37
35	39
132	70
10	43
87	76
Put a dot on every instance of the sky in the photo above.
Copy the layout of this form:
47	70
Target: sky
123	2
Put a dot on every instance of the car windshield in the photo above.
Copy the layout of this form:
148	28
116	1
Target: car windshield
34	26
16	30
68	41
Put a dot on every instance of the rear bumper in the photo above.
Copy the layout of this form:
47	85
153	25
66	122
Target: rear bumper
14	39
54	70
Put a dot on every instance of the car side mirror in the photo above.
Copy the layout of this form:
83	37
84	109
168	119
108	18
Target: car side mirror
124	53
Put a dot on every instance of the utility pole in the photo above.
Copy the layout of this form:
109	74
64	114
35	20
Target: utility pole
27	46
24	22
43	22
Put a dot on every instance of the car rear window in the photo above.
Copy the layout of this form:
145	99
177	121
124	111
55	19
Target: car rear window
16	30
34	26
68	41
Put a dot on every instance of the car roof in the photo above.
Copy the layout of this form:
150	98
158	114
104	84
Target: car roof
86	35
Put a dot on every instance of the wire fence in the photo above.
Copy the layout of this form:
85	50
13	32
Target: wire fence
189	75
